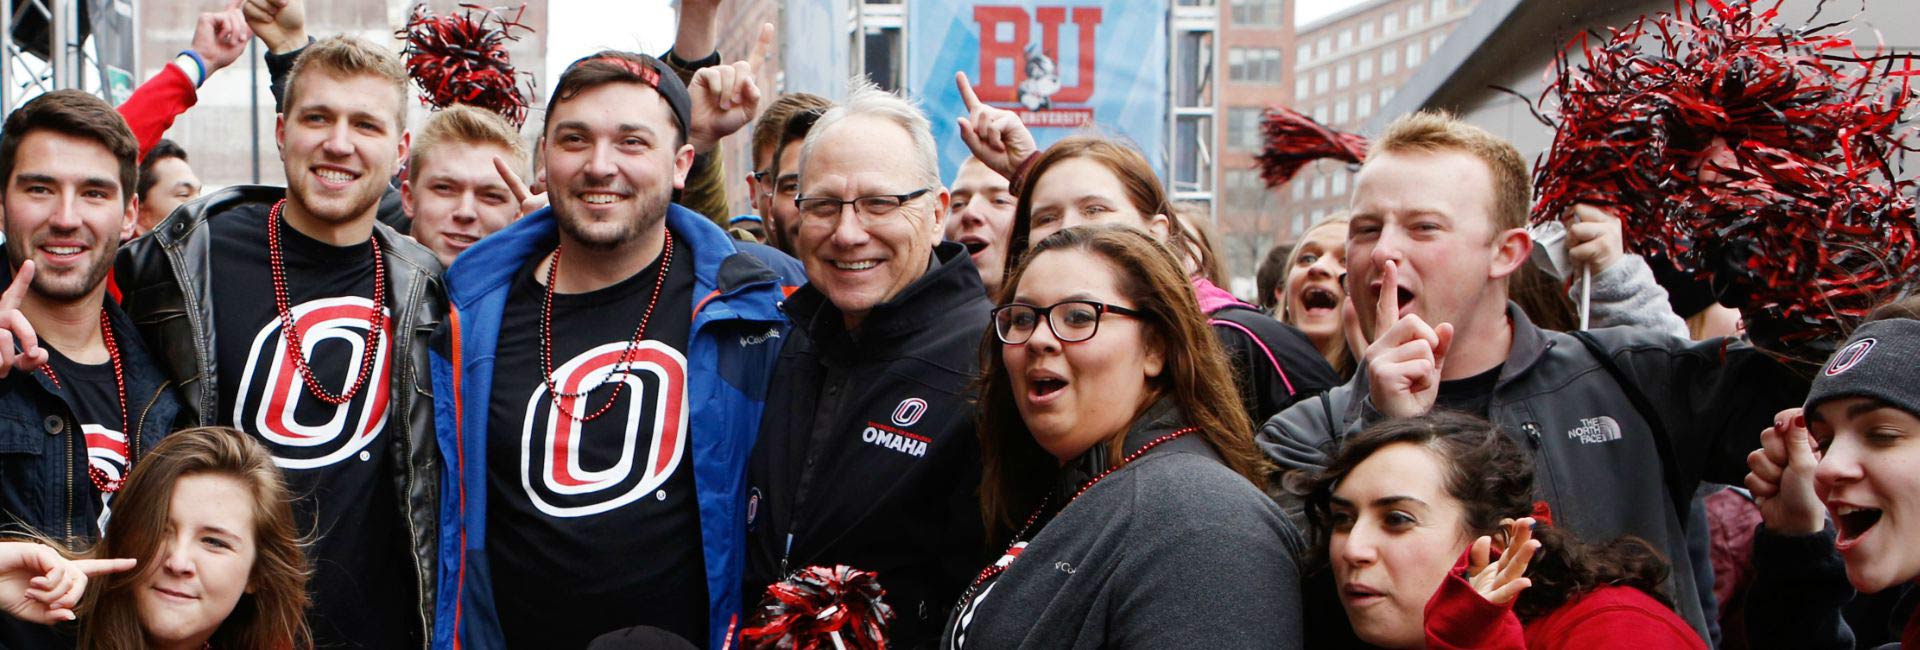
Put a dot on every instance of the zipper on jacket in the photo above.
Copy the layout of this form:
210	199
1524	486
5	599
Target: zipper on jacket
406	466
66	441
1533	434
140	426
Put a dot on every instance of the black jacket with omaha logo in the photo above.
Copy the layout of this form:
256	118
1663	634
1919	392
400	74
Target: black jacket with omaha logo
867	455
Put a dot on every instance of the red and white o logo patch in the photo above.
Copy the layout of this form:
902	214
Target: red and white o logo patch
1849	356
302	431
554	469
909	412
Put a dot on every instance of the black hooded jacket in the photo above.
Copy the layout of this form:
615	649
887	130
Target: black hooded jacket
867	455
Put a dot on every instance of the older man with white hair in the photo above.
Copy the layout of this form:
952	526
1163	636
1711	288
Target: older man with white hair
866	454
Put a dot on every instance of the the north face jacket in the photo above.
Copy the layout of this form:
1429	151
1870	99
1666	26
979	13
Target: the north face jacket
867	454
1595	460
737	329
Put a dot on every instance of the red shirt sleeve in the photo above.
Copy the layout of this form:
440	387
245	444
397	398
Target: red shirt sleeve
1613	618
1457	618
154	105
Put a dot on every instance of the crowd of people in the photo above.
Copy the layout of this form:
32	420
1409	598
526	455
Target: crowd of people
441	390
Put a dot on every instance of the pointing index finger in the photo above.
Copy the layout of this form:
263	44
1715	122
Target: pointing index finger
761	46
1387	304
21	280
966	92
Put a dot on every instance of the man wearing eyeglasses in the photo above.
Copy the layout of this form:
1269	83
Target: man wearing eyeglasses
867	455
776	155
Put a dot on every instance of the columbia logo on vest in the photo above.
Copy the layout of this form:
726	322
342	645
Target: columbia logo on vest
1593	430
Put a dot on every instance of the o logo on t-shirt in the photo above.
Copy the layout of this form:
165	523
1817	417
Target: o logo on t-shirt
551	471
909	412
1849	356
302	431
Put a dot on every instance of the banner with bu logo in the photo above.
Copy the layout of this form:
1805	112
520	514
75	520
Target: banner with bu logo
571	468
1060	64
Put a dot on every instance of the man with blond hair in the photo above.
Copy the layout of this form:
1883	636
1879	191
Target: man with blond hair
316	344
1623	423
463	179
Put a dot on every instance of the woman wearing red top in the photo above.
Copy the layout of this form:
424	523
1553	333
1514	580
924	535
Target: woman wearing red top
1409	513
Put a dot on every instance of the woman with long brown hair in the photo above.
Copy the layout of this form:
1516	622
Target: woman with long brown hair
1085	179
219	564
1117	467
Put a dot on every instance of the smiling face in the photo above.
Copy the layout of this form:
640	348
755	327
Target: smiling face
857	264
981	218
65	211
456	197
1432	214
1073	396
1080	191
786	186
1396	533
203	562
340	142
612	163
1869	477
1312	293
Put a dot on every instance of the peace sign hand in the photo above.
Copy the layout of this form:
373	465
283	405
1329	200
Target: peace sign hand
996	135
529	200
14	327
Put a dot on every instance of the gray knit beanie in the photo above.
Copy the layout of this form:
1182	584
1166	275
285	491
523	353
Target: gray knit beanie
1877	362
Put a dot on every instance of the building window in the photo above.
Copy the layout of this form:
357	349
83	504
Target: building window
1245	191
1243	129
1385	94
1343	75
1346	39
1366	31
1365	69
1389	61
1321	81
1323	47
1415	15
1254	65
1439	9
1433	44
1340	114
1319	188
1363	106
1299	188
1256	12
1320	113
1300	88
1389	25
1339	185
1414	52
1303	54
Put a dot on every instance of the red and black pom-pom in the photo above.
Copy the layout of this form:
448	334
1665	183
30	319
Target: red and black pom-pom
822	608
1756	155
1293	140
461	58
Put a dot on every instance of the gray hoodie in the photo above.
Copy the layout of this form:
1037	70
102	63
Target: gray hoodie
1172	551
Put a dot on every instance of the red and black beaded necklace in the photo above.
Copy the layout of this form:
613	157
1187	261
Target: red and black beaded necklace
626	356
290	332
998	568
97	475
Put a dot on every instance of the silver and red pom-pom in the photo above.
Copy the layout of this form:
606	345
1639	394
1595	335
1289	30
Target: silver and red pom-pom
461	58
822	608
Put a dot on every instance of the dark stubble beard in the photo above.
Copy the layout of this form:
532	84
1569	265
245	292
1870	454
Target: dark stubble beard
653	210
60	289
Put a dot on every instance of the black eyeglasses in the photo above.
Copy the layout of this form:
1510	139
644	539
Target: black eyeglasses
871	209
1072	321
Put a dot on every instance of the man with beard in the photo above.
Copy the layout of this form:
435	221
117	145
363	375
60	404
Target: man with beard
317	342
771	184
607	359
81	399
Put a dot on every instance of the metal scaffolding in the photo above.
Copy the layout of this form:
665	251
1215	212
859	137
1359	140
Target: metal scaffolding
70	56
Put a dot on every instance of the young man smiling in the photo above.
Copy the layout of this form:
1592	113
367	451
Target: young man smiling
606	364
317	342
82	398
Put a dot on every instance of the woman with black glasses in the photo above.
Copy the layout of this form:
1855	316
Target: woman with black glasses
1117	469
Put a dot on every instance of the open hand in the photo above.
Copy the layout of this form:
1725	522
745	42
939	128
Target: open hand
1507	577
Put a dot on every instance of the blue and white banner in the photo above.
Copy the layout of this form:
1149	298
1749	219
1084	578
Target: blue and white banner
1063	65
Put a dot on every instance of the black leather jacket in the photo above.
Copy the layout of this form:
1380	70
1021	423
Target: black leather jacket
163	278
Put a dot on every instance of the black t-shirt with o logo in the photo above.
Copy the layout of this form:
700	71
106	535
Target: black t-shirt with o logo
337	459
595	526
